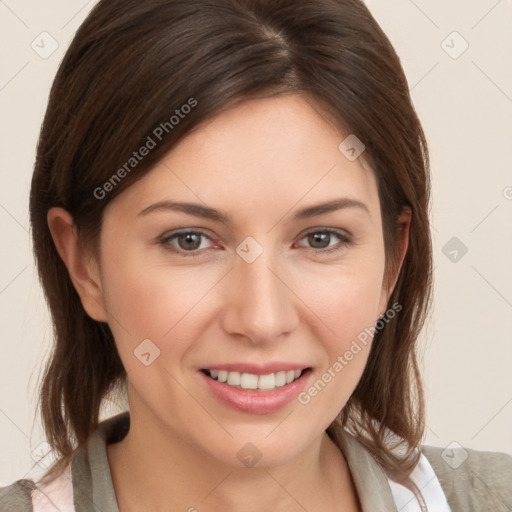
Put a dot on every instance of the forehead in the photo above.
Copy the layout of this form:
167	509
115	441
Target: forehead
268	153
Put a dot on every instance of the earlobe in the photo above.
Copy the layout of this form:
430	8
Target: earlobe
83	269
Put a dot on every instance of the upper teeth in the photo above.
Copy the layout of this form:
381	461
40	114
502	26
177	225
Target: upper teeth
252	381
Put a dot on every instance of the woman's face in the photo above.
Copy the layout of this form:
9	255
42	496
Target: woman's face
266	281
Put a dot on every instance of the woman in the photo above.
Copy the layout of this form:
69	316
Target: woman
230	221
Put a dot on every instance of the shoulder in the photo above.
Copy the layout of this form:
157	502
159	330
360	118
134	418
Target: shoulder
473	480
86	475
17	496
29	495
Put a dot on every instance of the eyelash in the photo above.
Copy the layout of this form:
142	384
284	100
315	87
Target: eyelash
344	238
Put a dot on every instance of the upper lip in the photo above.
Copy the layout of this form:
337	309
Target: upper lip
256	369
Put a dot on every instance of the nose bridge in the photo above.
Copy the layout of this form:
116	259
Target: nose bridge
259	305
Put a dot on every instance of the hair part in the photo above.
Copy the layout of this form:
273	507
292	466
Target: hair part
129	67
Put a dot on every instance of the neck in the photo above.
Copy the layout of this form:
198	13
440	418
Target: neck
153	469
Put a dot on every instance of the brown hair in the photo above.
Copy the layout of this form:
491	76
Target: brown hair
129	67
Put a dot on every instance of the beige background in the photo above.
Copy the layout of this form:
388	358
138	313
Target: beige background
465	104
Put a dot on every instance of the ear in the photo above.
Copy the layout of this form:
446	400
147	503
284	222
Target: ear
403	226
82	267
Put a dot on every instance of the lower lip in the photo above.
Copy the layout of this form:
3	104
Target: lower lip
256	402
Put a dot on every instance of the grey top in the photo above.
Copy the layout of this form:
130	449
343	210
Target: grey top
483	482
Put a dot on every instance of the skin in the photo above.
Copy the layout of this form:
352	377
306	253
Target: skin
259	162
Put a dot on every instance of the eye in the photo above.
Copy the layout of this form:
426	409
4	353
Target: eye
320	240
186	243
190	243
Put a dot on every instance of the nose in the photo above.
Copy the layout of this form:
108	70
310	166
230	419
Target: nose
259	301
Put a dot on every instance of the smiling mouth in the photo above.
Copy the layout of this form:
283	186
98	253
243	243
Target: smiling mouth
250	381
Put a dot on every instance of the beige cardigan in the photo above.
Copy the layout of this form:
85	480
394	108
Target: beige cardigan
482	483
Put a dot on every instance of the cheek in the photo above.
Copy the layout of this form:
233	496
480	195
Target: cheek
344	304
153	301
345	296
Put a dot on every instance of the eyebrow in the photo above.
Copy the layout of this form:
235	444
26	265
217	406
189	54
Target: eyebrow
206	212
